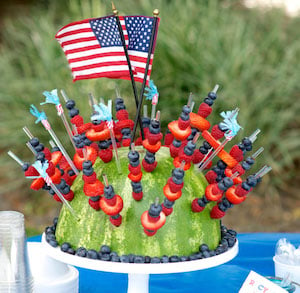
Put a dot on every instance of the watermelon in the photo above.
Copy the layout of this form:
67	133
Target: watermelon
182	234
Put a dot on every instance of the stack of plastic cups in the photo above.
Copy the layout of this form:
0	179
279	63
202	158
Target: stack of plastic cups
15	274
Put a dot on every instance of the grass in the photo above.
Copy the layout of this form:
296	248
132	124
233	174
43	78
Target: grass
252	55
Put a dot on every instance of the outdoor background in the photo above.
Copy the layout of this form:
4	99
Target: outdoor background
253	54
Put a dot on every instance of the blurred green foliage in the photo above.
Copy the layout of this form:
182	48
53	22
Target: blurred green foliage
253	55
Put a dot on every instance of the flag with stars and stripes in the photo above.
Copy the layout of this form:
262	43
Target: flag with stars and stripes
94	49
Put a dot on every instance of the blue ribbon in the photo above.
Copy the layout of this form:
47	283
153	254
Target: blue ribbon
41	168
230	123
40	115
101	113
151	91
51	97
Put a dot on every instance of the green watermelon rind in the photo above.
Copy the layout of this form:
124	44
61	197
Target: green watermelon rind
182	234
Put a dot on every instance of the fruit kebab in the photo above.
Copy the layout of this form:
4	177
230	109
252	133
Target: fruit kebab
135	174
237	152
41	117
238	193
43	167
111	204
52	98
232	128
152	144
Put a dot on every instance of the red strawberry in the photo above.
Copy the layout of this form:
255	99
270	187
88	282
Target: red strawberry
137	196
111	210
195	206
94	204
93	189
56	157
37	184
91	155
56	177
106	155
116	222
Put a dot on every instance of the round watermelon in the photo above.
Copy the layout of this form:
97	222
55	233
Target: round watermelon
182	233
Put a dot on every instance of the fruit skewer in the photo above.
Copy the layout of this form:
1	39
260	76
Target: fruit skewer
237	194
135	174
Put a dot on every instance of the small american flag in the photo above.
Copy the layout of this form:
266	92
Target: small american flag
93	47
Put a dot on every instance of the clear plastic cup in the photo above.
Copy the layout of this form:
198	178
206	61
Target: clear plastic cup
15	274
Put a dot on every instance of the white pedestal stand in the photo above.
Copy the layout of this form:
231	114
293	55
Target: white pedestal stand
138	274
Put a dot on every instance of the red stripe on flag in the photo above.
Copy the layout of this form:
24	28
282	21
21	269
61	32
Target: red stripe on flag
108	54
99	64
74	32
82	49
112	74
72	24
81	40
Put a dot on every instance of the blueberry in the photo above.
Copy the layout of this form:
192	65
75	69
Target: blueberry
212	95
194	256
71	173
39	148
186	109
46	187
155	210
133	156
184	258
119	101
176	143
81	251
209	101
164	259
217	170
219	250
113	253
251	181
250	161
168	204
226	203
246	186
222	207
206	253
25	166
155	260
109	192
203	247
248	148
70	104
231	241
222	186
246	166
115	258
105	249
93	254
219	178
224	244
49	229
232	232
203	150
50	236
174	258
206	145
125	131
178	173
212	253
201	203
70	251
94	198
53	243
87	164
73	112
105	257
87	142
246	141
131	257
147	259
51	191
149	159
65	246
241	146
34	141
139	259
88	172
103	144
124	258
228	182
62	183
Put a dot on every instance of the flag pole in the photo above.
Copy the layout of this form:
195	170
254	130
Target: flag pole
115	12
155	14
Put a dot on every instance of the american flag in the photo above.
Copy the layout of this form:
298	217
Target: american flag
93	47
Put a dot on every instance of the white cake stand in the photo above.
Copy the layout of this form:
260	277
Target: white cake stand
138	274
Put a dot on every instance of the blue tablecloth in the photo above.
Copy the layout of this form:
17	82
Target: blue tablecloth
256	251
